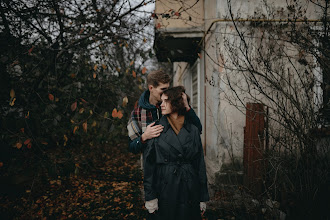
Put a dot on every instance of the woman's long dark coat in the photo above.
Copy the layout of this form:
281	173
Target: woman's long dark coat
174	172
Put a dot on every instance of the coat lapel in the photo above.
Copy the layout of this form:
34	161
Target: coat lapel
171	139
169	135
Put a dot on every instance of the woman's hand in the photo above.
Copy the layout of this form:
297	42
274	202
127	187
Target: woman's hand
185	101
152	205
202	206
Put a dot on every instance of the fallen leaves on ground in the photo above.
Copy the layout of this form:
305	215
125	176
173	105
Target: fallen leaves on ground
112	191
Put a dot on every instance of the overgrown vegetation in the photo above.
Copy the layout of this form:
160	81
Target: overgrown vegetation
70	72
284	65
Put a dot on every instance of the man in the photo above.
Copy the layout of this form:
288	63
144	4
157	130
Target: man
141	126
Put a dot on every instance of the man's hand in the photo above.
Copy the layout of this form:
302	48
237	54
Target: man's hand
185	101
152	131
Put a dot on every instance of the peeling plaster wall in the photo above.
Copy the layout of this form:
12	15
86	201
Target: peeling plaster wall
193	17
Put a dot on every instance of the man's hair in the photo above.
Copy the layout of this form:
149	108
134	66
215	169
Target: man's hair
174	95
156	77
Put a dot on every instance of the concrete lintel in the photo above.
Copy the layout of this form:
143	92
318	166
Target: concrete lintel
182	32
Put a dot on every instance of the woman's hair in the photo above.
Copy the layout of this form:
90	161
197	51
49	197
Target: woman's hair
174	95
158	76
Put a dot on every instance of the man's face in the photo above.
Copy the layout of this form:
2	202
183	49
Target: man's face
156	92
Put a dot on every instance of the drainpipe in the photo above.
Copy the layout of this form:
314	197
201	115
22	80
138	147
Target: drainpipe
239	20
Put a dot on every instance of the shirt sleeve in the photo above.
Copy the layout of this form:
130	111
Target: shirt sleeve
136	146
193	118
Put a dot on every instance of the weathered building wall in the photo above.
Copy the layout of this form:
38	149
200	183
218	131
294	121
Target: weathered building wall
222	113
191	18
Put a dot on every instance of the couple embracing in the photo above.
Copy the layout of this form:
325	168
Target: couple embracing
167	131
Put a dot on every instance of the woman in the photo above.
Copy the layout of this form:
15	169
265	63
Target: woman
175	180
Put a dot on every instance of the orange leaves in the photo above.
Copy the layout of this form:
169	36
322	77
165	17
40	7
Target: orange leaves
1	164
131	63
12	98
83	100
85	126
94	75
65	138
104	66
51	97
144	70
12	93
134	73
18	145
116	114
75	129
27	141
158	26
30	50
95	67
74	106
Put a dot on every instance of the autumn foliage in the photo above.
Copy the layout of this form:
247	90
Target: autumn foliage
71	73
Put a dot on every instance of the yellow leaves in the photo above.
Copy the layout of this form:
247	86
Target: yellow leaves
117	114
144	70
125	101
65	138
118	69
94	124
144	40
51	97
85	126
73	106
106	114
81	110
134	73
75	129
90	112
95	67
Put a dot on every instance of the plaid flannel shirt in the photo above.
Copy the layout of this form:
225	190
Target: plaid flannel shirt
140	118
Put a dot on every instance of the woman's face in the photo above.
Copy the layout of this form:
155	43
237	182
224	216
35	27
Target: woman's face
166	105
